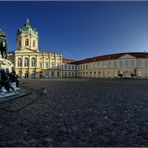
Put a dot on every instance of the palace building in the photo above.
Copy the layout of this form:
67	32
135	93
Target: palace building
32	63
125	65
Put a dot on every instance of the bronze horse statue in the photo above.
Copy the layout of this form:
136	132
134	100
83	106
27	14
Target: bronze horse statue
3	44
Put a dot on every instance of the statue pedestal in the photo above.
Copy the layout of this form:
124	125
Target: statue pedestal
4	93
8	94
6	64
8	67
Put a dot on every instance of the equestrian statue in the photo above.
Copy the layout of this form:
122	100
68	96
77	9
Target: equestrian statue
3	44
6	79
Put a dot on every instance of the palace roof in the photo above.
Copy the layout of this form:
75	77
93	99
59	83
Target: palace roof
111	57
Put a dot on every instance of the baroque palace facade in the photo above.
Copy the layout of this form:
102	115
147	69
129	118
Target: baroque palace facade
30	62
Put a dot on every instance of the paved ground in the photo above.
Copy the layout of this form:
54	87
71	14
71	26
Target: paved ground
77	112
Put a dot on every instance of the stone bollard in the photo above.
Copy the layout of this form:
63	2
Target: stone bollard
44	90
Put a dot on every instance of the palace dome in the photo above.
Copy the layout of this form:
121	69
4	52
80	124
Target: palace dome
27	29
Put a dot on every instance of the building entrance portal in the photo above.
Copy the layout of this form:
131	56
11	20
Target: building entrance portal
127	74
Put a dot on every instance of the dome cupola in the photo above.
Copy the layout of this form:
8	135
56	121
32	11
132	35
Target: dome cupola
27	29
27	37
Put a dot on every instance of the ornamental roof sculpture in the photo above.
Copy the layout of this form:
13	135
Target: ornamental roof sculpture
27	29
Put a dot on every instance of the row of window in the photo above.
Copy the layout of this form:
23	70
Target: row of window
110	64
33	63
69	67
27	43
68	74
40	75
53	65
26	62
53	58
123	63
109	74
73	74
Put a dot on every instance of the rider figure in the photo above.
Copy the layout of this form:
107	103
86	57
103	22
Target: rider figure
3	44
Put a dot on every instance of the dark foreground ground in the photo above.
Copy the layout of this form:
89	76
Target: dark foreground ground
77	112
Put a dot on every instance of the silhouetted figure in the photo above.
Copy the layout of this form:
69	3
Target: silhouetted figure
5	81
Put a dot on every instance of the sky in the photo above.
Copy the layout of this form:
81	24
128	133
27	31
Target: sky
79	29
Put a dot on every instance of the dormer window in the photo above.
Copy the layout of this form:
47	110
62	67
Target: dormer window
27	42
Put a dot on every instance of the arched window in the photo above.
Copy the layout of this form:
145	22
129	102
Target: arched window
26	62
33	62
19	62
27	42
33	43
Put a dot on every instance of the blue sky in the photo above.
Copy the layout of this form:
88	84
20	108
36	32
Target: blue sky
77	29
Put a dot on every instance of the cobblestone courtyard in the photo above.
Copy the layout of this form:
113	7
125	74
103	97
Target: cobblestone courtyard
77	112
